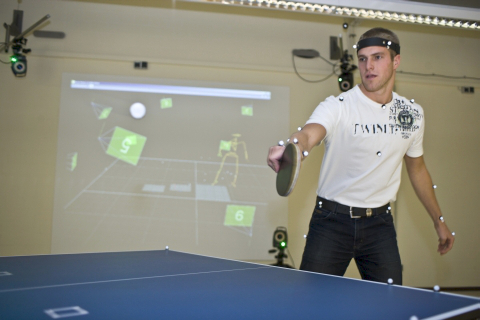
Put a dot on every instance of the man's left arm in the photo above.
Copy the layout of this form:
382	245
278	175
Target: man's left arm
423	186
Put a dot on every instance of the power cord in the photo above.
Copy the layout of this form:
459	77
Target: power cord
314	81
291	258
438	75
4	62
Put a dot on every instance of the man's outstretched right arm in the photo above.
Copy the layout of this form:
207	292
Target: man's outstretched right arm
311	135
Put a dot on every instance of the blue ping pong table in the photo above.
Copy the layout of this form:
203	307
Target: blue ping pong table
167	284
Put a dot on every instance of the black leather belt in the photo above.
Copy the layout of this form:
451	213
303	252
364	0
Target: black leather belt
354	212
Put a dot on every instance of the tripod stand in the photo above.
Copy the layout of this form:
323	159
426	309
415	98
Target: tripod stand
280	256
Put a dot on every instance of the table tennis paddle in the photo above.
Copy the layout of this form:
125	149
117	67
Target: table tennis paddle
289	169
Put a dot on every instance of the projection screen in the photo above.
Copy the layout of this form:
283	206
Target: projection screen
145	163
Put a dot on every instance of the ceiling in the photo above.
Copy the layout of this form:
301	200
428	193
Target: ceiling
462	9
466	9
458	3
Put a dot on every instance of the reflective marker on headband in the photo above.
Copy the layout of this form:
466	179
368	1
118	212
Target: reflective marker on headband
380	42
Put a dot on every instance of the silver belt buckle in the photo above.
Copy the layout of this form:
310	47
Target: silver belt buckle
352	216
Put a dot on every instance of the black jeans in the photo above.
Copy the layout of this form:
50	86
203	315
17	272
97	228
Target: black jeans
334	239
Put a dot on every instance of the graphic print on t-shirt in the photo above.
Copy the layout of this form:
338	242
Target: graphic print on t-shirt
403	119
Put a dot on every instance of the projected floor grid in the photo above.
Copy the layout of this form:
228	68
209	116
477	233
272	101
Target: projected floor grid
211	193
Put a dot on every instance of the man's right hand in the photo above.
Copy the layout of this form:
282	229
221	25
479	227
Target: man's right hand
275	154
311	134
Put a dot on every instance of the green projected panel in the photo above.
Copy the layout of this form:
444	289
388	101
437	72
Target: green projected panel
239	216
166	103
247	111
225	146
72	160
126	145
105	113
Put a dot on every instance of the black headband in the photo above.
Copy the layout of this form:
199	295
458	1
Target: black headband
380	42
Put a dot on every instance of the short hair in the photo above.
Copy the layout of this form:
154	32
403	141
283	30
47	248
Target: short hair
382	33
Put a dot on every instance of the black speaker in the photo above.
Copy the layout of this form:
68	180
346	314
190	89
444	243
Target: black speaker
16	26
280	238
19	65
335	51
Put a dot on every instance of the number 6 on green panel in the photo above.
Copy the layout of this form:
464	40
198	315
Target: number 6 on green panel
240	216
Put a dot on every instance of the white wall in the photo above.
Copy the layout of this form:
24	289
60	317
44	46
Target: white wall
242	45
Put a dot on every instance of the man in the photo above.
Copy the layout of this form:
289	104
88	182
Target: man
368	130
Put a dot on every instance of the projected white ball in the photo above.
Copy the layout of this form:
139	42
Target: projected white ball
138	110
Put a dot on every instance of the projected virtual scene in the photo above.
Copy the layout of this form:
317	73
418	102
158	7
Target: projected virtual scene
148	163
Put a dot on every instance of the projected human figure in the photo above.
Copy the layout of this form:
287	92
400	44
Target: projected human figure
231	148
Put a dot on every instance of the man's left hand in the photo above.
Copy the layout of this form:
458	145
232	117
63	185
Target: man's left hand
445	238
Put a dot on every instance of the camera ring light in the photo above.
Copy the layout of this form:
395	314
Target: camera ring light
19	67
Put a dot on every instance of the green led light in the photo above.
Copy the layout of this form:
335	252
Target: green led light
283	244
13	59
340	79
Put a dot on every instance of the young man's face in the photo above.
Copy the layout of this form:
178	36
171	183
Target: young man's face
376	68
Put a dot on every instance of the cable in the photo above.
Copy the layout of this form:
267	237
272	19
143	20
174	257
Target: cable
314	81
291	258
330	63
0	59
335	70
438	75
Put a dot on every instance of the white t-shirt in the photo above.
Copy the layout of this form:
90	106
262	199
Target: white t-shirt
365	145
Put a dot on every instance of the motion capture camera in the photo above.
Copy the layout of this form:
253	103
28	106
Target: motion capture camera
280	238
18	60
19	65
345	80
280	243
